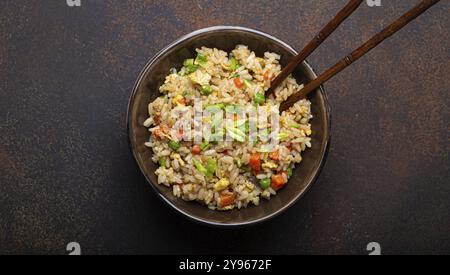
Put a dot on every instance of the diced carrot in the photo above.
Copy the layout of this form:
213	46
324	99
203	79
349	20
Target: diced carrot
239	84
161	131
235	117
275	155
196	150
279	180
266	76
255	162
157	134
226	199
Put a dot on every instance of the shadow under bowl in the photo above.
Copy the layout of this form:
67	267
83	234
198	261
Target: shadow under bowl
226	38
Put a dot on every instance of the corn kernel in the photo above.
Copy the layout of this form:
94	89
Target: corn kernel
269	165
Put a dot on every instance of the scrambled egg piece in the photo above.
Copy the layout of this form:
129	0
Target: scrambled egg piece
200	78
177	157
225	66
270	165
304	110
221	185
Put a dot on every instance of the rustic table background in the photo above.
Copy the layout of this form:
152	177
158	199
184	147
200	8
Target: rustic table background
66	172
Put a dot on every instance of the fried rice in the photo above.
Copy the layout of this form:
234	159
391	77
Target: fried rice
237	171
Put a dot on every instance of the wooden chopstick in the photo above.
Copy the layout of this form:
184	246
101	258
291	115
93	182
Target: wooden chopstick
358	53
314	43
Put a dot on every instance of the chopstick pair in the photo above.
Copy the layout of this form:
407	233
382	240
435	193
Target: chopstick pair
349	59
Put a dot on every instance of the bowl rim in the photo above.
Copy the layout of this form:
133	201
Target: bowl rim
196	219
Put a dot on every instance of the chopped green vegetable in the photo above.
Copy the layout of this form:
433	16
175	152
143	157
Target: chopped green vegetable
230	108
206	90
204	145
240	122
174	145
283	136
265	183
247	127
234	76
211	166
217	120
191	68
259	98
289	171
238	162
209	170
217	136
237	134
220	106
200	167
188	62
234	64
295	125
248	83
213	107
201	60
162	162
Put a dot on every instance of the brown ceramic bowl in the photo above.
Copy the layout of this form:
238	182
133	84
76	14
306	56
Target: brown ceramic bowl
226	38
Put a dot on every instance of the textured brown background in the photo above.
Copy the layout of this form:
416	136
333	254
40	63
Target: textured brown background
66	173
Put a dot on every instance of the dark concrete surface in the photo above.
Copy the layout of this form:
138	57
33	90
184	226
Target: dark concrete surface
66	172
